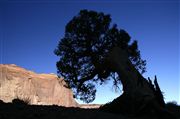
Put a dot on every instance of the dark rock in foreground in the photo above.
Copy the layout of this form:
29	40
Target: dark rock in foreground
21	110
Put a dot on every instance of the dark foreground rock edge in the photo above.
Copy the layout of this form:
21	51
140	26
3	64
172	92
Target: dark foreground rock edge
25	111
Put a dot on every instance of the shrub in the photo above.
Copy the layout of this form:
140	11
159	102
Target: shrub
20	101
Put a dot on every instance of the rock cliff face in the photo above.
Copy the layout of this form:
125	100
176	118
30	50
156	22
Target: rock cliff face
41	89
90	106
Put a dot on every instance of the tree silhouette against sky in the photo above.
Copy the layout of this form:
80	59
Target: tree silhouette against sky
93	51
84	51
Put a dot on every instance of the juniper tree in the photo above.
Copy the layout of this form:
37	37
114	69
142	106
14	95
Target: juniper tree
85	53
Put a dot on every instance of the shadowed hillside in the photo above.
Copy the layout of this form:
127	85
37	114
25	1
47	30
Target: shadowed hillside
21	110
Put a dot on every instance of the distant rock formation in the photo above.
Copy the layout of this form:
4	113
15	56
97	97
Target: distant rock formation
41	89
90	106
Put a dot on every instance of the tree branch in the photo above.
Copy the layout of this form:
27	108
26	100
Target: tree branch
89	77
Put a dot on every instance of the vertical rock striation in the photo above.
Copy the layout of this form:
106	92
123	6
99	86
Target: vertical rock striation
41	89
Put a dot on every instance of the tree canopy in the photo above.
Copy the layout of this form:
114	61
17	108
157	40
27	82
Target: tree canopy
83	51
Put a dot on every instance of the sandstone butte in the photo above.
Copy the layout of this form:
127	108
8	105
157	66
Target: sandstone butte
40	89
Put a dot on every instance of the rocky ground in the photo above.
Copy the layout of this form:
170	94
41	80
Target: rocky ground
21	110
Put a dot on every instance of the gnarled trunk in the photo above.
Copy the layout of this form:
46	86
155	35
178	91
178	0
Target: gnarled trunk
133	82
138	92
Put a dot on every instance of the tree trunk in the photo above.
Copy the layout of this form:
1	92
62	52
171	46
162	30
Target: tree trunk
138	92
133	82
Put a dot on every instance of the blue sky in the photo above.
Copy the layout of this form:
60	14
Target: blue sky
30	31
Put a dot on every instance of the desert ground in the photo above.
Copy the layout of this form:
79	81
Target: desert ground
21	110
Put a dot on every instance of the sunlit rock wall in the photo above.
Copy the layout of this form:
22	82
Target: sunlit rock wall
41	89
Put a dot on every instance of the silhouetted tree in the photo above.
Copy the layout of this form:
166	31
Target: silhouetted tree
84	53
